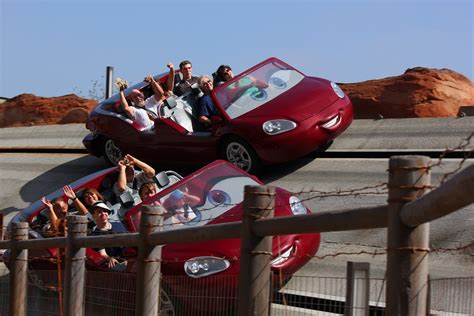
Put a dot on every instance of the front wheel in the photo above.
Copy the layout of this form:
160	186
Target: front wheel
238	152
166	305
112	154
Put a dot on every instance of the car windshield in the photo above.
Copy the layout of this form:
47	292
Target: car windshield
201	198
250	90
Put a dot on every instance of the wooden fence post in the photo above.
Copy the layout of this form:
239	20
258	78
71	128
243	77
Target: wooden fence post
75	268
1	226
149	263
255	253
407	259
18	271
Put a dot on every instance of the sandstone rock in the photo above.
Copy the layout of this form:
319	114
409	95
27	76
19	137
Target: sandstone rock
419	92
29	110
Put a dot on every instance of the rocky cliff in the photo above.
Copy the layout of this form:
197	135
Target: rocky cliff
419	92
31	110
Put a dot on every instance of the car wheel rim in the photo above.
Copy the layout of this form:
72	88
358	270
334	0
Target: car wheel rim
238	155
113	152
166	305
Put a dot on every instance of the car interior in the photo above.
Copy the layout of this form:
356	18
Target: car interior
118	206
182	110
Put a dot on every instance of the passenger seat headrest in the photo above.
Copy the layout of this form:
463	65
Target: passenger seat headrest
126	199
196	90
162	179
170	102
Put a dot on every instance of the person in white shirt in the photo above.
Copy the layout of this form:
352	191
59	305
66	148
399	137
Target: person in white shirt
138	114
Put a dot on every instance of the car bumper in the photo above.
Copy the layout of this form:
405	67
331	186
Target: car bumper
308	136
298	251
92	143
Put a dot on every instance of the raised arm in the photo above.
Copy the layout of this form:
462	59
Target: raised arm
125	106
191	199
170	79
122	178
147	169
69	192
53	218
158	92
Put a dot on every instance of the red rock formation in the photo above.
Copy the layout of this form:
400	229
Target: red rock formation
31	110
419	92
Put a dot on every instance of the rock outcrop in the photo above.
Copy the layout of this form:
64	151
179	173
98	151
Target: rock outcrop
31	110
419	92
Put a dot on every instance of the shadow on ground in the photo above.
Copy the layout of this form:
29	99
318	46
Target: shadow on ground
59	176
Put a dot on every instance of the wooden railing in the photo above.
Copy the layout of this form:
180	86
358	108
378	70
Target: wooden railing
407	216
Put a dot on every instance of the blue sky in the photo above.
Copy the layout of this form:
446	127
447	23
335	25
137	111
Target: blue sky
57	47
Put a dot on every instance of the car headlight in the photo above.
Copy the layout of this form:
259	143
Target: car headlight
199	267
274	127
296	206
337	90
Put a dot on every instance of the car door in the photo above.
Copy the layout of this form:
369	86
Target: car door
169	142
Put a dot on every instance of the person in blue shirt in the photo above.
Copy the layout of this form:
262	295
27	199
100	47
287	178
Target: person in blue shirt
206	106
112	255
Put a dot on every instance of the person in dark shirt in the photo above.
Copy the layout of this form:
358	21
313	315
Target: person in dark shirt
184	85
223	73
112	255
206	106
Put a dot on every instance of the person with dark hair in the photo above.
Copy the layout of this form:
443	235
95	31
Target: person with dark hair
223	73
89	195
185	84
56	212
147	190
130	179
245	85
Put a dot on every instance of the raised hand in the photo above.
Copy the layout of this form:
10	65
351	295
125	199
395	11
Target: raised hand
69	192
46	202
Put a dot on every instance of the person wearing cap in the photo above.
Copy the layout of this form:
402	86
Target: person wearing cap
130	179
185	84
100	214
179	204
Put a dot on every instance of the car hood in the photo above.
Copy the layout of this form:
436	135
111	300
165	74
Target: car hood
308	98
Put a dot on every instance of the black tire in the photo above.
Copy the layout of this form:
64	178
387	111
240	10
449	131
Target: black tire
238	152
112	154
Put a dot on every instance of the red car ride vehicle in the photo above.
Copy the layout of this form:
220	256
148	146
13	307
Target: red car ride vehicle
192	272
288	116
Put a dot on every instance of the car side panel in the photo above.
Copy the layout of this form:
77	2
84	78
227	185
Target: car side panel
169	143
